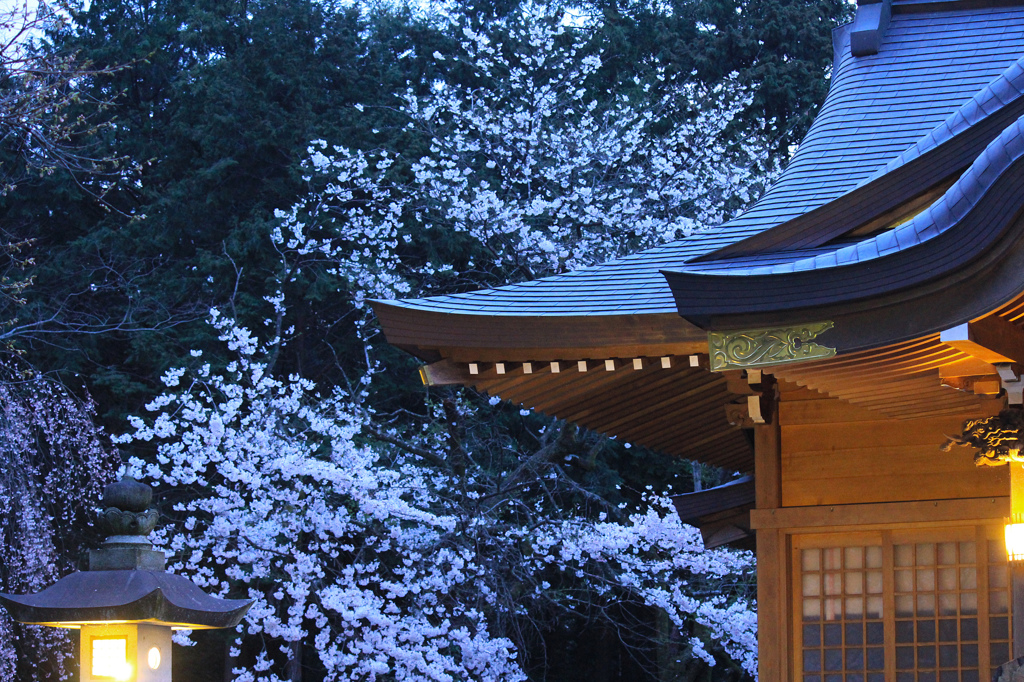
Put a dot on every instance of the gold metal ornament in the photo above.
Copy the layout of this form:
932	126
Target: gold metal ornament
767	347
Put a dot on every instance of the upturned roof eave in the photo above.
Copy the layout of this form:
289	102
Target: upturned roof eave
958	260
944	152
481	337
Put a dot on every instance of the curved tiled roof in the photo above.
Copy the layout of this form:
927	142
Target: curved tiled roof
934	73
929	66
938	218
977	208
1005	89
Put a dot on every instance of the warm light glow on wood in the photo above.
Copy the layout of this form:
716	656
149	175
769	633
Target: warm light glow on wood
1015	524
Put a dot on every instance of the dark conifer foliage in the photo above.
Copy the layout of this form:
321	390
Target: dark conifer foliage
215	102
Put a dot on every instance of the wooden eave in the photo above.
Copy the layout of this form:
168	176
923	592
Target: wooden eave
674	404
432	335
658	393
722	513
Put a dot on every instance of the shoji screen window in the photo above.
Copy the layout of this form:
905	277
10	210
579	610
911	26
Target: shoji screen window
925	606
841	608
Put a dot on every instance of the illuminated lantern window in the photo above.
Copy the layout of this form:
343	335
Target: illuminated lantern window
110	658
1015	538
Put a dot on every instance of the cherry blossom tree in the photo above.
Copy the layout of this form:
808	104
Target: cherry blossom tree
52	472
396	566
435	545
521	164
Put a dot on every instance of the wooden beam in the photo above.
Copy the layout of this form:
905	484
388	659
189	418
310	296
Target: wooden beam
444	373
737	384
991	339
968	367
882	514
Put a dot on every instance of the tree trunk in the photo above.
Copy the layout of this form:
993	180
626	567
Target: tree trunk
698	476
293	673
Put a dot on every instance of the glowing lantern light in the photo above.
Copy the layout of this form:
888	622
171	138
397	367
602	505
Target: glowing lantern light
1014	527
126	604
1014	536
110	658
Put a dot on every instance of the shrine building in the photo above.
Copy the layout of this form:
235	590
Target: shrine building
866	313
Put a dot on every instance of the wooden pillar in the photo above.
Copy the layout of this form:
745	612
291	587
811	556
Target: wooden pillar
771	638
1017	571
768	465
772	558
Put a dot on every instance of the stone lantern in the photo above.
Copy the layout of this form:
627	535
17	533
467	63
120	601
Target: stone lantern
126	604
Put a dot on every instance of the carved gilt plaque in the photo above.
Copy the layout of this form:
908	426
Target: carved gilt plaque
766	347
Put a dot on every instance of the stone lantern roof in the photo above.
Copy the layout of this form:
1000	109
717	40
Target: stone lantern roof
126	581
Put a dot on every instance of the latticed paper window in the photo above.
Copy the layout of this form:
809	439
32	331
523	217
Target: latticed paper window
936	586
894	605
843	632
999	600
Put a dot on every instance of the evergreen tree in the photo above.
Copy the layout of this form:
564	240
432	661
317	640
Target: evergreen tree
216	102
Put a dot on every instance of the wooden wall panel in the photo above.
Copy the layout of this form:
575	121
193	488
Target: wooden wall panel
837	453
768	466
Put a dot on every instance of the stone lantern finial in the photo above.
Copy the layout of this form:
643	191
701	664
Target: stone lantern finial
127	508
129	518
